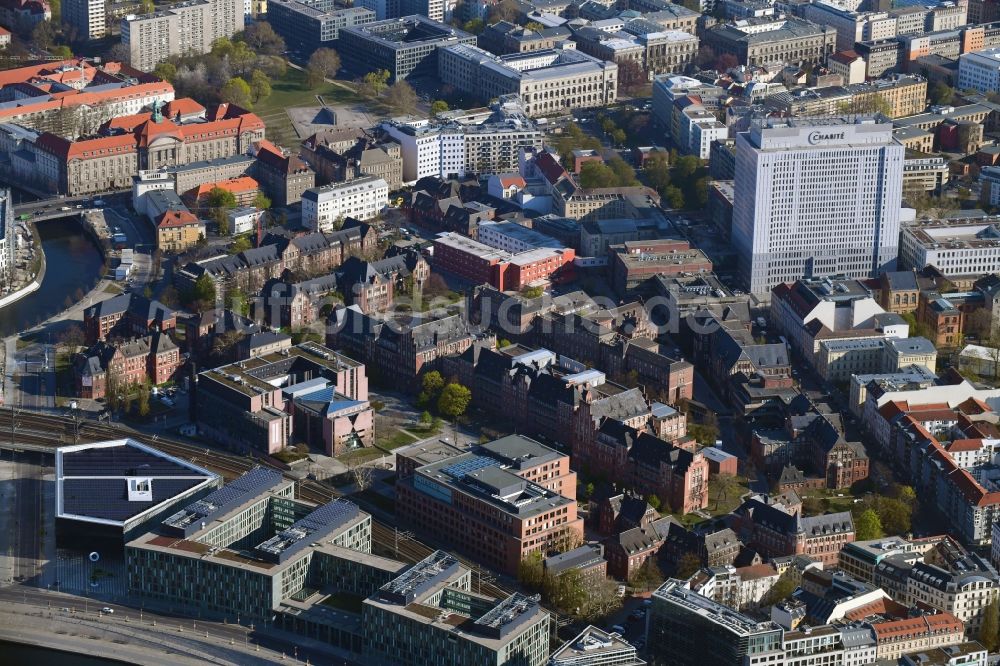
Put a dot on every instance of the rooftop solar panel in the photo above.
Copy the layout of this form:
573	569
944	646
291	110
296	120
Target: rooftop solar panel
94	479
122	460
469	465
107	499
315	527
255	482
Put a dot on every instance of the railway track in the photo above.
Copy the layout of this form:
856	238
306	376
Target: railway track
55	431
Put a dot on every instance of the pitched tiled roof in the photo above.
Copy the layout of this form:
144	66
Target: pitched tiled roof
177	218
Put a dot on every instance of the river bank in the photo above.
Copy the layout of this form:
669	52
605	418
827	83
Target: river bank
71	265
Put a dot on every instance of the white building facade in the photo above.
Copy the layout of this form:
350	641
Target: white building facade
362	199
980	70
816	197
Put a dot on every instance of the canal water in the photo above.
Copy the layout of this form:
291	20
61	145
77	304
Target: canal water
73	267
15	653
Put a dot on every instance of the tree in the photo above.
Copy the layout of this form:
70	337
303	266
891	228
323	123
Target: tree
534	26
362	474
673	196
624	173
262	38
221	198
202	294
237	91
474	26
373	84
401	97
723	487
454	400
653	501
597	175
326	61
566	591
648	575
895	515
868	526
657	173
687	565
260	86
118	52
61	51
631	76
439	106
781	590
166	71
726	62
222	47
240	244
426	419
144	399
940	93
43	35
530	572
261	201
505	10
989	631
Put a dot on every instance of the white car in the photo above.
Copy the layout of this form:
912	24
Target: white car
108	610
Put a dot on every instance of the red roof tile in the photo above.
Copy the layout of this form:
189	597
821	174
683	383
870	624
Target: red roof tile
177	218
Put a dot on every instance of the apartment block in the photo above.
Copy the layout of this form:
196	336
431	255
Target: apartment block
897	96
87	17
179	29
324	208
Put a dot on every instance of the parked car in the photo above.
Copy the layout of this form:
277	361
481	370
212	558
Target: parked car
107	610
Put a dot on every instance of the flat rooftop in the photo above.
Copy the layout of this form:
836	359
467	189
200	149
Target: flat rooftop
116	481
484	478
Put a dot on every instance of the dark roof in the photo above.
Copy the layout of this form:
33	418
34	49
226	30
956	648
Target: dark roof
93	479
901	280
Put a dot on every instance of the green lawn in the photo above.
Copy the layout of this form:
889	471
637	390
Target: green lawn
394	439
290	92
360	455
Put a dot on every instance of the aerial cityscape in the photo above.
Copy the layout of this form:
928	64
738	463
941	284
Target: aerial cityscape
500	332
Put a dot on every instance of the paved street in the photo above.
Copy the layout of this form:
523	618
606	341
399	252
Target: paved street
147	636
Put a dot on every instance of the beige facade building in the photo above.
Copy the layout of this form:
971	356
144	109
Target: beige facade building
549	82
146	142
770	39
898	96
183	28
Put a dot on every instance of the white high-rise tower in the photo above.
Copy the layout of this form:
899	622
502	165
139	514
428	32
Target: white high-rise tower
816	197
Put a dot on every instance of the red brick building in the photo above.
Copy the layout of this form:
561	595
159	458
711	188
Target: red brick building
648	465
482	264
126	315
154	357
775	529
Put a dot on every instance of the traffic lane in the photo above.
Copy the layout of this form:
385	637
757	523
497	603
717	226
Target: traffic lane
57	602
